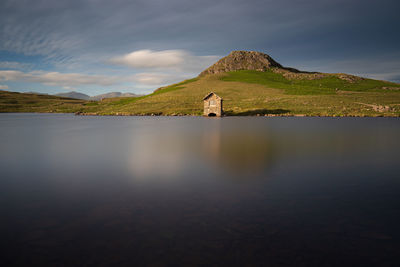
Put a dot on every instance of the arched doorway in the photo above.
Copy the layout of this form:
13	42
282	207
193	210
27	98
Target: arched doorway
212	114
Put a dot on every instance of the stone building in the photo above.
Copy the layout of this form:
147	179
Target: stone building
212	105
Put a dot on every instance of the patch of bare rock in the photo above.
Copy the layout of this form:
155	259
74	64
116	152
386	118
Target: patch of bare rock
242	60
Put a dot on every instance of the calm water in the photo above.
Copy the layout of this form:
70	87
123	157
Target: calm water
168	191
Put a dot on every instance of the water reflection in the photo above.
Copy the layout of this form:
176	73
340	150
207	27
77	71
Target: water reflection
240	152
204	146
105	191
245	148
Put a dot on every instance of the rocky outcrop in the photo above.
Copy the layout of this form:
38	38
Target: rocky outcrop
390	88
294	74
252	60
242	60
349	78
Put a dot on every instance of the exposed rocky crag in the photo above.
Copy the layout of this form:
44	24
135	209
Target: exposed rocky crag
242	60
252	60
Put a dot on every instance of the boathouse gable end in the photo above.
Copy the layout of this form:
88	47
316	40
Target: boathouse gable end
212	105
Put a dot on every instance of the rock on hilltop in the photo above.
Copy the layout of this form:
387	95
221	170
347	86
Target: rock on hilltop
242	60
252	60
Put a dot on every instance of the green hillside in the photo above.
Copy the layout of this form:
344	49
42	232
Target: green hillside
250	92
20	102
250	83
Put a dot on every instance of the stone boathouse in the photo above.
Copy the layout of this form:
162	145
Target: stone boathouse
212	105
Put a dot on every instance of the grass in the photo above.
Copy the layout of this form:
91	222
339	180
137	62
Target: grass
173	87
245	93
265	93
19	102
327	85
130	100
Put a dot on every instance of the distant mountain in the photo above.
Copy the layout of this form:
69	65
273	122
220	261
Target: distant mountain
35	93
75	95
112	95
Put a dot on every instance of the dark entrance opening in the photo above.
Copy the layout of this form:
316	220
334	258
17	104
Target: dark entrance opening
212	114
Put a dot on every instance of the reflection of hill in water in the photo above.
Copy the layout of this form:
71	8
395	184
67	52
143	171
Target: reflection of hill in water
209	145
243	146
242	152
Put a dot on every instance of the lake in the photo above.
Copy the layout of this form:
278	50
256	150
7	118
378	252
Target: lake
173	191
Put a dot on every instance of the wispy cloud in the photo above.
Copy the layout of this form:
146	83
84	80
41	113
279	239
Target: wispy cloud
72	81
57	79
156	78
15	65
37	38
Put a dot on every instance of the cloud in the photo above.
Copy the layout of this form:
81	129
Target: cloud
72	81
166	59
151	59
156	78
381	67
81	35
14	65
67	30
69	88
58	79
3	87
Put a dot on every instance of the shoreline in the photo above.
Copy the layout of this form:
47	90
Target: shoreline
226	116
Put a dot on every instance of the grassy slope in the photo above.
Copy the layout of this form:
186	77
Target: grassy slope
244	93
252	93
327	85
18	102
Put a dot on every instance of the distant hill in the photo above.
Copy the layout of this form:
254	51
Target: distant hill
35	93
77	95
113	95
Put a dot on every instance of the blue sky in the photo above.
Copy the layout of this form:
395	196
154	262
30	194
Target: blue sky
98	46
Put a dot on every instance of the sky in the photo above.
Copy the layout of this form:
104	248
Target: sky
99	46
